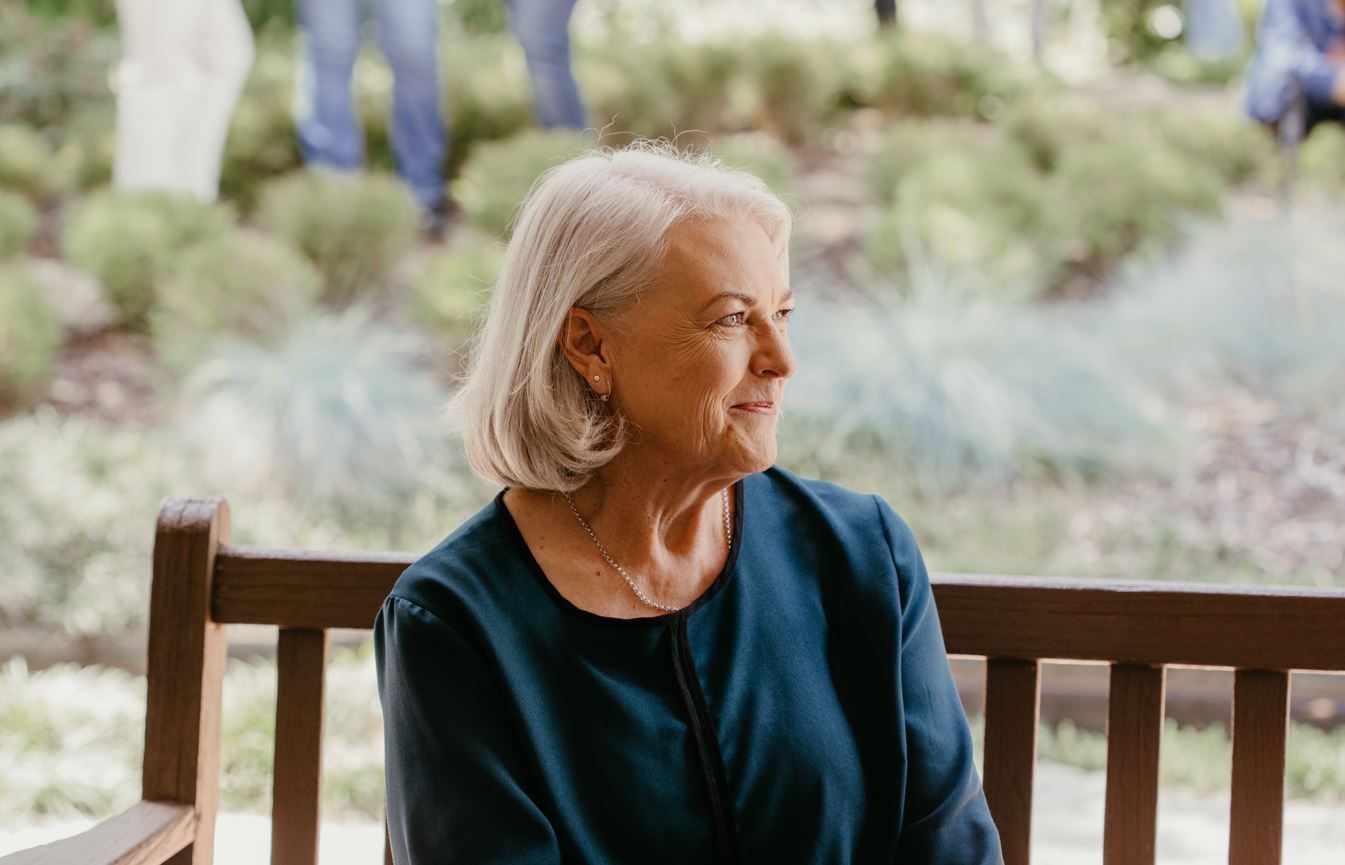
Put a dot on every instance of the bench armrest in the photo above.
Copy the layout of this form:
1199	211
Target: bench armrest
147	833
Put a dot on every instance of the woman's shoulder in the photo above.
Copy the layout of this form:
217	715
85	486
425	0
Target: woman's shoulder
468	570
830	502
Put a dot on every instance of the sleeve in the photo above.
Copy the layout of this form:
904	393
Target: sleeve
1286	63
454	775
946	820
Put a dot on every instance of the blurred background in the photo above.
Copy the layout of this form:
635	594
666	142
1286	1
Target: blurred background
1062	301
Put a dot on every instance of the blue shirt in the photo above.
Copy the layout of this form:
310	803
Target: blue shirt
800	711
1293	41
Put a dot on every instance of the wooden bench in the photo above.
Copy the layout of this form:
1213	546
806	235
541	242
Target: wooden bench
201	583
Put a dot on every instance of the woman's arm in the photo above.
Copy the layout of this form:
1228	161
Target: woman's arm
454	773
946	819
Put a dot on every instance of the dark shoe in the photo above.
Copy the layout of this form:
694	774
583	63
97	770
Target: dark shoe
434	222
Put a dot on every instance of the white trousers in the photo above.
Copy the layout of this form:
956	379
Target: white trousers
184	63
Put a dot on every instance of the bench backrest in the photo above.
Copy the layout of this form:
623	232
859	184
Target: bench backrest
202	583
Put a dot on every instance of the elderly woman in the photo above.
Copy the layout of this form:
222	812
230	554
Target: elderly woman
654	645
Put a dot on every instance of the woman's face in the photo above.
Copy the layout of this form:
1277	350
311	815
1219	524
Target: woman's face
699	364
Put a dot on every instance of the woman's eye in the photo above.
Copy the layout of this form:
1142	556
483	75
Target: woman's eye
784	314
736	319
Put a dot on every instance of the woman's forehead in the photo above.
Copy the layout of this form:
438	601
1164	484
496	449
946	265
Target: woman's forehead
708	257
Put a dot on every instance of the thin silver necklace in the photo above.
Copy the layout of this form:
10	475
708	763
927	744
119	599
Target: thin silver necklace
728	536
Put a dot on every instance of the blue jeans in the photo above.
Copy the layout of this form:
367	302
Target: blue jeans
542	27
329	133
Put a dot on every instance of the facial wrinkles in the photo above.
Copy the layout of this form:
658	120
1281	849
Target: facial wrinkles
684	354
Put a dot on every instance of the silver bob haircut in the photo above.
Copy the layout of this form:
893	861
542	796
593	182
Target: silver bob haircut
592	233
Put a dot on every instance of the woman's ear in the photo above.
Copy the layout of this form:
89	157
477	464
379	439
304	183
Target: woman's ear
583	340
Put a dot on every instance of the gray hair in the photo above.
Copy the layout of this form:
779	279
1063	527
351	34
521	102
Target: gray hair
591	233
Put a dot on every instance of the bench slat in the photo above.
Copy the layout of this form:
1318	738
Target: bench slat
1012	706
301	661
147	833
1151	624
302	589
1260	724
993	617
1134	732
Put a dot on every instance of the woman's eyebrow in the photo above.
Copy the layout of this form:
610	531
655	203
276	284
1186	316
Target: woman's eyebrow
730	295
747	299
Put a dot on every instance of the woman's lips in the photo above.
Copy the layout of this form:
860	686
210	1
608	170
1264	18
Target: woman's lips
756	407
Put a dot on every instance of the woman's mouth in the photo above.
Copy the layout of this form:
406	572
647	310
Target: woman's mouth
756	407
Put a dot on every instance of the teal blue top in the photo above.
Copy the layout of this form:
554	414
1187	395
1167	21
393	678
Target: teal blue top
800	711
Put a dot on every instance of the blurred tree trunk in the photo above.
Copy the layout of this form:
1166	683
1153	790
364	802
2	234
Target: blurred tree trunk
980	20
887	13
1040	9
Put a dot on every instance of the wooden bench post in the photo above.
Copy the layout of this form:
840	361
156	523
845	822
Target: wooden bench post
1012	710
186	668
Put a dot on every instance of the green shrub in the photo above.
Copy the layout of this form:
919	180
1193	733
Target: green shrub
1130	191
354	227
262	140
239	284
339	410
51	68
953	390
759	154
1129	37
1050	125
75	544
93	156
28	164
1321	159
128	240
1177	64
30	334
668	88
907	146
1248	300
926	75
18	221
795	83
451	289
70	740
983	212
1238	149
486	92
80	499
496	179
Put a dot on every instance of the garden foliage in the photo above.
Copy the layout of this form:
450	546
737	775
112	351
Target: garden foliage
30	335
451	288
951	389
18	221
130	240
242	284
353	227
1049	195
338	409
496	179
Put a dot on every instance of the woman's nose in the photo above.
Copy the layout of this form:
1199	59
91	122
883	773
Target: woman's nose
773	356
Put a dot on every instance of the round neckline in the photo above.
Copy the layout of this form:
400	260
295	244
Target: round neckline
534	567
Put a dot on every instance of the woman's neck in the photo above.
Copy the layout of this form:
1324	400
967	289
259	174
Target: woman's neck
657	515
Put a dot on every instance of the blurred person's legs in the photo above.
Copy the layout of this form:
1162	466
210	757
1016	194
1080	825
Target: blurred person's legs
543	29
1213	29
408	32
184	63
329	134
